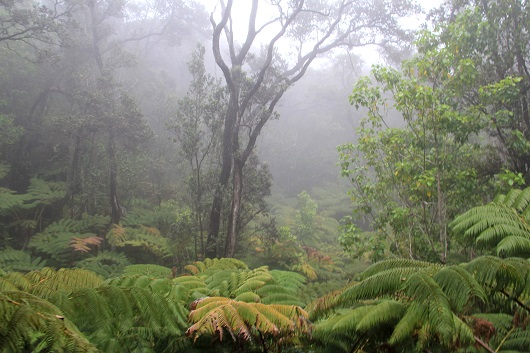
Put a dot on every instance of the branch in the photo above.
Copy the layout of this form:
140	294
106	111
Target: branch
218	28
483	344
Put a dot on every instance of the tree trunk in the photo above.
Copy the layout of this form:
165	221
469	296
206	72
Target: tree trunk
235	209
215	215
73	175
115	212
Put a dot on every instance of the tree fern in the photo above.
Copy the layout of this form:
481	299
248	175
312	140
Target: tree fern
30	323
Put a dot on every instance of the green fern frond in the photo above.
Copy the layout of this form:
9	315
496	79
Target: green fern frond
491	236
464	335
216	264
4	170
508	199
117	235
41	192
496	273
284	299
9	201
514	245
30	323
249	297
48	281
426	292
413	318
106	264
521	202
460	287
388	312
396	263
18	260
289	279
518	340
149	270
382	283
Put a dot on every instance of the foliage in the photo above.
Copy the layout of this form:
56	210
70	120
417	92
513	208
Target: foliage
18	260
30	323
411	305
501	225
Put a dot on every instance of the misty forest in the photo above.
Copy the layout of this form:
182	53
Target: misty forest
265	176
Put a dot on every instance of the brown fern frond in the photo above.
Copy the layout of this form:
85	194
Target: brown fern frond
117	235
150	230
83	244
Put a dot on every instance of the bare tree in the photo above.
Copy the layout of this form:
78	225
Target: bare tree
256	81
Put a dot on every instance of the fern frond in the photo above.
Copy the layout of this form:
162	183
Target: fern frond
215	315
491	236
510	198
216	264
396	263
380	284
41	192
30	323
495	273
460	287
106	264
9	201
83	244
18	260
117	235
514	245
427	293
149	270
48	281
388	312
518	340
413	318
521	202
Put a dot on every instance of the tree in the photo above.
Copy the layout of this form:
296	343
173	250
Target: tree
305	218
197	129
494	35
35	25
406	175
257	81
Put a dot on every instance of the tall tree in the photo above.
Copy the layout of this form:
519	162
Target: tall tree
256	80
495	35
196	125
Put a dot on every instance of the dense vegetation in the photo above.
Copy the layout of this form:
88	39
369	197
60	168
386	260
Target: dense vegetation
161	188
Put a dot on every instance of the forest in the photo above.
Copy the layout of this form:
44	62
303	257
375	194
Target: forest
296	176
